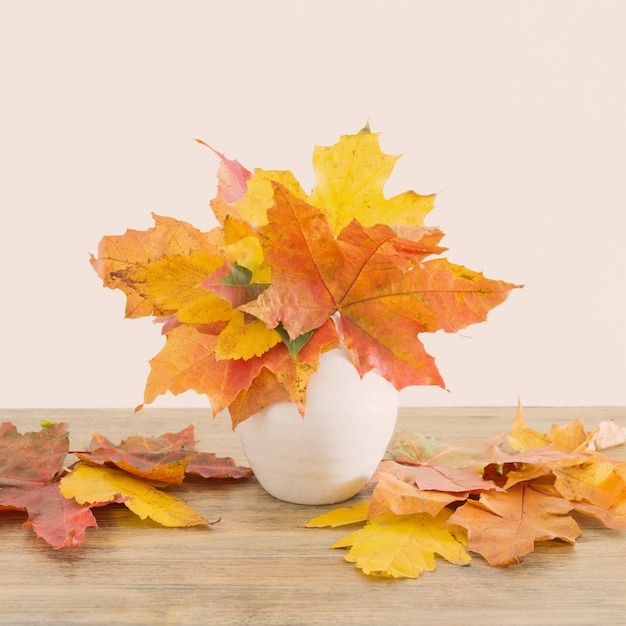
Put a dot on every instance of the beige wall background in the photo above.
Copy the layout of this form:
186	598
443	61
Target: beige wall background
513	111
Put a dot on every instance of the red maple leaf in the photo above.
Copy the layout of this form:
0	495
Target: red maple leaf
31	466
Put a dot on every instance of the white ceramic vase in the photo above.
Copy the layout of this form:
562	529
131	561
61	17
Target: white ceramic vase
330	454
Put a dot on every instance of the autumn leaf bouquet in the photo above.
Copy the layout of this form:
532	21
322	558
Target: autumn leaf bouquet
248	307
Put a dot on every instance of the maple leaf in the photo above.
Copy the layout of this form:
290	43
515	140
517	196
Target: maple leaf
350	177
313	277
403	546
117	254
96	485
172	284
504	526
165	459
30	467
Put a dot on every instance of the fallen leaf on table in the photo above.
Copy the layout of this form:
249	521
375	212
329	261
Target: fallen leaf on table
341	517
209	465
403	546
502	527
30	466
94	485
165	459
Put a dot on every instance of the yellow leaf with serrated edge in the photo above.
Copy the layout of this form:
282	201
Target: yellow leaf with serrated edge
172	284
260	194
241	340
341	517
350	177
88	484
403	546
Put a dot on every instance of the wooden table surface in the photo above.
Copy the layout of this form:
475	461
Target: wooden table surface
260	566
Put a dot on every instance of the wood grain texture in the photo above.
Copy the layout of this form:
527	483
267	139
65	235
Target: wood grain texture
260	566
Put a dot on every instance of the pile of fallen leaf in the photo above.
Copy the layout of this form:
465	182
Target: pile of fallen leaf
495	496
59	499
452	498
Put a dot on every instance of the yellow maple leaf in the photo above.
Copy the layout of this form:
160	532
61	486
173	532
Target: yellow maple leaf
169	236
172	284
403	546
241	340
350	177
89	484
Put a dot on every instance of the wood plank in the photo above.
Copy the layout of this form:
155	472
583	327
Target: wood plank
259	565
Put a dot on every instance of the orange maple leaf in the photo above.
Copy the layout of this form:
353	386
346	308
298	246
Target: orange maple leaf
367	274
120	253
504	526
